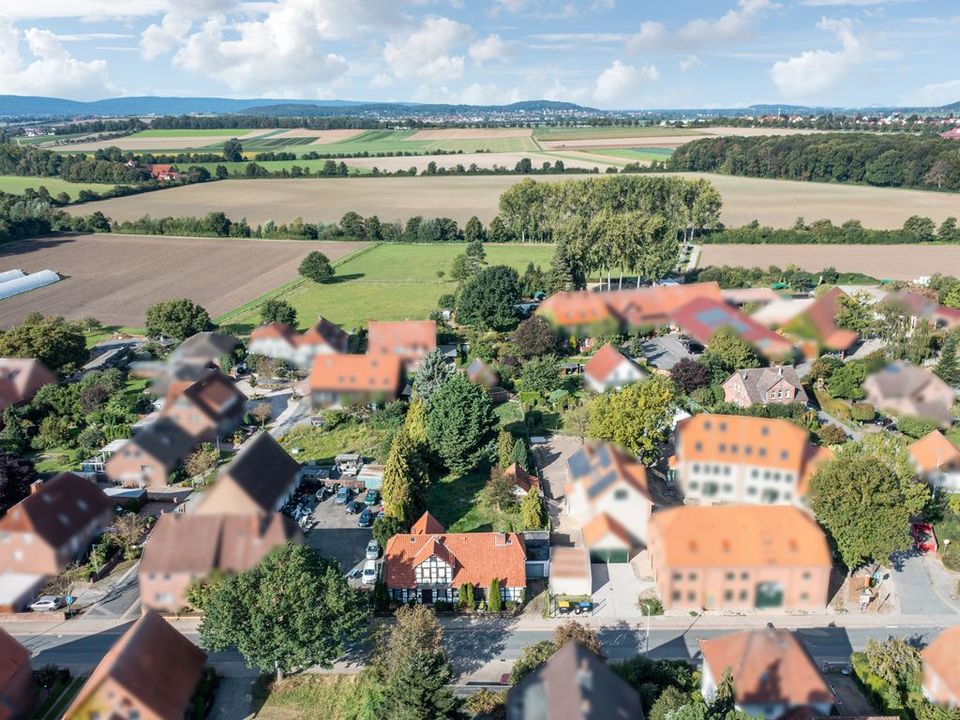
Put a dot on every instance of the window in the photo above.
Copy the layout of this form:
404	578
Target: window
723	427
621	494
734	448
696	467
728	595
751	490
754	473
731	576
691	596
748	450
743	595
694	485
707	425
723	447
677	576
691	576
728	488
744	576
804	596
806	575
676	595
698	446
762	452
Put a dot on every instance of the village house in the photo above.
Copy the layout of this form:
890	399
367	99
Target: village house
206	409
16	679
906	389
739	557
339	380
609	369
815	327
607	491
185	549
282	342
700	319
764	386
150	673
408	340
919	306
937	461
148	458
203	349
772	672
941	668
53	526
259	480
574	684
20	378
743	459
163	173
428	564
522	481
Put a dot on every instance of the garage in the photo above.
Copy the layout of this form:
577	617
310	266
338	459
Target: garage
609	555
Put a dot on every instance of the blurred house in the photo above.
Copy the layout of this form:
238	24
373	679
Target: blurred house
53	526
607	491
150	673
570	572
408	340
480	373
919	306
203	349
816	328
16	679
941	668
259	480
700	319
148	458
906	389
743	459
937	461
183	549
282	342
764	386
207	408
429	564
609	369
772	672
739	557
574	684
20	378
348	379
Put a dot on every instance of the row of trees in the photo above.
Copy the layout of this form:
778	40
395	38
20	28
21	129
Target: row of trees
916	229
902	161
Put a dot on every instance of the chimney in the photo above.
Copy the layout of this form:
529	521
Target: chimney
780	370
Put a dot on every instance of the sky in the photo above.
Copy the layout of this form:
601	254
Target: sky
626	54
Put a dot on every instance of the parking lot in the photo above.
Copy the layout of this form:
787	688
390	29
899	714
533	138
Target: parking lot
335	534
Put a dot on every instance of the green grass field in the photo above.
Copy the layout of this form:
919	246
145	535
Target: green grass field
388	282
17	184
193	133
237	168
635	154
599	133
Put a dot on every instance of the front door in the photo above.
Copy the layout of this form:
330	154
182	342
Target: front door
769	595
426	597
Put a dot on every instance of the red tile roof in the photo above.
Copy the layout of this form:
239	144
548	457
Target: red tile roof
20	378
408	340
943	657
356	373
701	318
822	314
476	558
605	361
934	452
427	525
13	658
640	306
214	394
521	478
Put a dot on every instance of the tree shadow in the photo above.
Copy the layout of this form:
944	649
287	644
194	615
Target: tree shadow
23	247
472	644
345	278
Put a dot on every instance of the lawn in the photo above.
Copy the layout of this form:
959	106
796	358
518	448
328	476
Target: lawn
603	133
635	154
323	445
457	502
388	282
314	697
17	184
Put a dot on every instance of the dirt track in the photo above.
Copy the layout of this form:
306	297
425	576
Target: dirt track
114	278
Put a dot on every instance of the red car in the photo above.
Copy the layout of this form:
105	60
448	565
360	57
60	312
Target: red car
923	537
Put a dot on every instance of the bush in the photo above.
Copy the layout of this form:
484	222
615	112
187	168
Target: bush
442	606
316	266
486	703
831	435
916	427
862	411
650	606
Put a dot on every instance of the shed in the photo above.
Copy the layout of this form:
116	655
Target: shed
371	476
570	571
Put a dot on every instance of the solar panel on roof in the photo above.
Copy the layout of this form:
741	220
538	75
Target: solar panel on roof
603	455
578	464
27	283
602	484
713	317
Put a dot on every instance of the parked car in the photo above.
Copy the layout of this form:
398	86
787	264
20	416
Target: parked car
344	495
354	574
923	537
371	498
324	492
373	549
369	572
367	517
354	507
47	603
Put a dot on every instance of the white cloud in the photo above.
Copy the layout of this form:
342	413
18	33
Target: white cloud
808	75
833	3
53	71
428	51
165	36
491	48
734	25
935	94
690	62
83	37
620	84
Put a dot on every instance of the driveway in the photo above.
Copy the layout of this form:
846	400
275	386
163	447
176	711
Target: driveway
920	582
616	590
337	536
551	460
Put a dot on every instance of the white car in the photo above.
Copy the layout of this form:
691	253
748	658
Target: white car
369	572
47	603
373	550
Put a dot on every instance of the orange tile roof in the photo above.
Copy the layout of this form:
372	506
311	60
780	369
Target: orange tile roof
406	339
569	562
701	318
355	373
603	525
739	536
211	394
815	457
943	657
521	478
476	558
324	332
605	361
933	452
821	314
272	331
427	525
769	667
764	442
648	305
575	308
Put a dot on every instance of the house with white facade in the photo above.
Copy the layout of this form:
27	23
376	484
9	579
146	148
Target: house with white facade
937	461
282	342
609	369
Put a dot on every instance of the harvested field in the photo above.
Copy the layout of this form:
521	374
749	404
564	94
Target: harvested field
319	136
773	202
114	278
894	262
665	141
471	133
485	161
139	141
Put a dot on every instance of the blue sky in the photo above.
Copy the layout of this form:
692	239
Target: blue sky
605	53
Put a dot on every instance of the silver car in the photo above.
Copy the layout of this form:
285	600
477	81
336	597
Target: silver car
369	572
373	550
47	603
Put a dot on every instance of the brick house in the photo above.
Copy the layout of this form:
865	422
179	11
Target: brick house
183	549
910	390
609	369
739	557
764	386
259	480
408	340
282	342
743	459
941	668
772	671
20	378
150	673
337	380
148	458
429	564
52	527
16	679
207	408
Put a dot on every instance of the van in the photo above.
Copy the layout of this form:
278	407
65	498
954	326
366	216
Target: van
369	572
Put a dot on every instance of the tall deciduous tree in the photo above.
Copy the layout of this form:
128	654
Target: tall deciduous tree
488	300
460	422
178	319
278	311
535	336
316	266
731	351
292	611
59	344
638	417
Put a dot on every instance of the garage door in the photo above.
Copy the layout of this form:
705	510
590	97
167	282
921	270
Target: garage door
609	556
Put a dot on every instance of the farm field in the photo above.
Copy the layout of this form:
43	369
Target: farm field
139	142
893	262
387	282
17	184
599	133
773	202
114	278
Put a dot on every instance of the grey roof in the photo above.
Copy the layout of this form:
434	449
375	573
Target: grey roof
665	351
574	684
166	441
758	381
204	347
263	469
901	379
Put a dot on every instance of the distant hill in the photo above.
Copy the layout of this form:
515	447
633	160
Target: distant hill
538	107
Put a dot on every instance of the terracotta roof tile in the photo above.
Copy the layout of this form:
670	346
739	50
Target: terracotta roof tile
702	317
603	525
355	373
605	361
943	657
427	525
408	340
934	452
